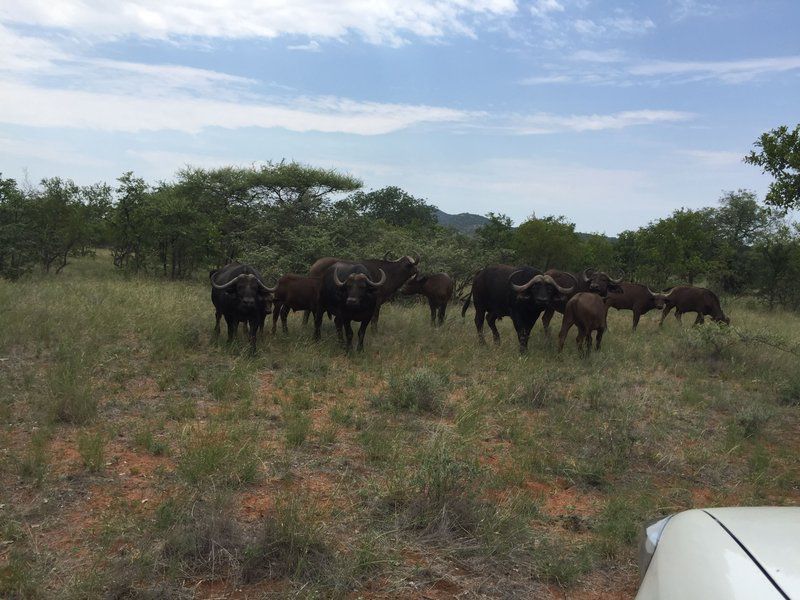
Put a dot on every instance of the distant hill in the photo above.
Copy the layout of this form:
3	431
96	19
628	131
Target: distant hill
463	222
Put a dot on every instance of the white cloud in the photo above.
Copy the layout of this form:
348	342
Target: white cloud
613	26
617	69
35	106
543	7
548	123
312	46
685	9
715	158
381	22
733	71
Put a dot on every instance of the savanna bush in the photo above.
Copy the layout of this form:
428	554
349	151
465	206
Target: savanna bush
419	390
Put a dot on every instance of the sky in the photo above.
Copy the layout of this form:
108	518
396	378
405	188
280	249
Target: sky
611	113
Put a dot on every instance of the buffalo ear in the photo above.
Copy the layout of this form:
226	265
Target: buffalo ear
614	287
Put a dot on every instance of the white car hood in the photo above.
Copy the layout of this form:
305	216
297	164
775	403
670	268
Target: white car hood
772	537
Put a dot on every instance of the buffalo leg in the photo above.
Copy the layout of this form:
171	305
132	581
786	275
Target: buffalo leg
678	315
432	306
348	330
480	315
664	314
600	333
700	319
306	314
562	335
580	338
636	316
318	323
233	325
495	334
284	314
376	315
546	317
276	309
338	323
216	327
254	327
362	331
442	310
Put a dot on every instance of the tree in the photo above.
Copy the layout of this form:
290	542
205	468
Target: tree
547	243
739	222
598	251
779	270
129	226
779	156
394	206
17	246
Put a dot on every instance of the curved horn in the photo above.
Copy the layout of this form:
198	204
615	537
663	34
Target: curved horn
656	294
336	280
621	277
265	287
562	290
378	283
416	259
524	286
229	284
585	274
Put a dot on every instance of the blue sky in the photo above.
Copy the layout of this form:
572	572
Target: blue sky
611	113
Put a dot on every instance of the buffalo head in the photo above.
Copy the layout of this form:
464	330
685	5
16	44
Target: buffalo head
601	283
539	289
251	293
356	286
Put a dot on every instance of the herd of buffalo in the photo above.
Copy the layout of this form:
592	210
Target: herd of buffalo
355	290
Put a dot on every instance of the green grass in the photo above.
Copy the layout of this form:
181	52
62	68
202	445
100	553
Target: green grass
334	474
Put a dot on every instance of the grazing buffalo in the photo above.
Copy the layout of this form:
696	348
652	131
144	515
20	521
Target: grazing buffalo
295	292
636	297
589	280
397	272
587	311
240	295
521	293
437	288
688	298
350	294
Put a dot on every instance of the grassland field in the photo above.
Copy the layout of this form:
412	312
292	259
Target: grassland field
142	458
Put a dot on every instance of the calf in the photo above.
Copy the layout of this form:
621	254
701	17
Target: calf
688	298
636	297
437	288
295	292
588	280
587	311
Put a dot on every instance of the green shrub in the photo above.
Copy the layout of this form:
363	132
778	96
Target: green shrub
297	426
33	464
224	457
69	395
144	439
419	390
289	544
90	447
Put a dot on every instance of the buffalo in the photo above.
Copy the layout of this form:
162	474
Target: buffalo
349	293
636	297
688	298
519	292
397	272
239	294
295	292
588	280
437	288
587	311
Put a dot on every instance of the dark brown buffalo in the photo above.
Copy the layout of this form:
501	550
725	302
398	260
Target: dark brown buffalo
587	311
589	280
636	297
295	292
349	294
688	298
239	294
397	273
437	288
519	292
